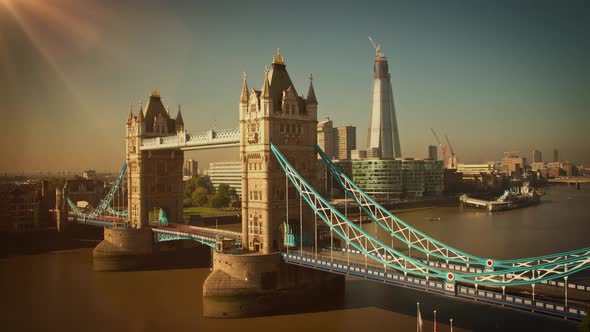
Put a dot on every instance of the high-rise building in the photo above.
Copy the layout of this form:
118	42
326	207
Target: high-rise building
432	150
345	142
336	142
326	136
358	154
190	168
555	156
89	174
513	165
227	172
383	133
537	156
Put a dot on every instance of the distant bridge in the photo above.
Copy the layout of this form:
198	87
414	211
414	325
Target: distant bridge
571	179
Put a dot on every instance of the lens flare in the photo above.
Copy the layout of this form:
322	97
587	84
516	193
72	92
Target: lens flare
59	30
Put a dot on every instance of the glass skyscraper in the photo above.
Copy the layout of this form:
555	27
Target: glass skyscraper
383	132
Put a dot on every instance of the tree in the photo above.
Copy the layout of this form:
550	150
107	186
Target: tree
204	182
233	195
196	190
221	197
190	186
199	196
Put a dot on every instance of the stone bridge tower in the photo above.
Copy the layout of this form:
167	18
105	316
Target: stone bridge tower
154	178
277	114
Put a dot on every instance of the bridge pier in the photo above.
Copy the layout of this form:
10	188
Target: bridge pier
123	249
258	284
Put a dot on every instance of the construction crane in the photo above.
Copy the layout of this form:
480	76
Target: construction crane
443	148
376	46
453	158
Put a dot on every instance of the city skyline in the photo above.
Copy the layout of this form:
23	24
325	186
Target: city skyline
495	78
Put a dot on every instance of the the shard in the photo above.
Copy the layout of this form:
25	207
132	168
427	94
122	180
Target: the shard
383	133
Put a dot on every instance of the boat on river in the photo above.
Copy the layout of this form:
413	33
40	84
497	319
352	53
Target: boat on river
511	199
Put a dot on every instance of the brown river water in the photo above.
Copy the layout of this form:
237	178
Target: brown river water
53	287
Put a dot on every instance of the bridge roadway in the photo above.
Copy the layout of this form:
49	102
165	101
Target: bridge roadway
169	232
358	265
205	235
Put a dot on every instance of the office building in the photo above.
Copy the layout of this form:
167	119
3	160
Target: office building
345	142
358	154
395	178
475	169
513	165
19	206
89	174
555	156
336	142
537	156
378	178
190	168
432	152
227	172
326	136
433	177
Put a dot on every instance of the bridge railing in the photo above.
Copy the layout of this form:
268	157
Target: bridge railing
373	272
182	139
217	231
522	302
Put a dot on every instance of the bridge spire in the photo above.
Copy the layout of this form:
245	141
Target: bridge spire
244	95
140	114
179	121
265	93
311	99
130	115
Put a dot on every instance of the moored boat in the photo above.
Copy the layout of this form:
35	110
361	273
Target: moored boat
511	199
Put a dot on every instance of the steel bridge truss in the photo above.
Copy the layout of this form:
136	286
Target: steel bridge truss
417	240
105	203
376	250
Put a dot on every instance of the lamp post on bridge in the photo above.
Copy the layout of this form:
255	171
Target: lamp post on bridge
565	285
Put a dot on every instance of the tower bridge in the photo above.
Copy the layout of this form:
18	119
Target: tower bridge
292	238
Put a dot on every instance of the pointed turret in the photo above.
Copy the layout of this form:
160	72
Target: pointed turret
244	94
265	94
140	117
130	115
311	99
179	120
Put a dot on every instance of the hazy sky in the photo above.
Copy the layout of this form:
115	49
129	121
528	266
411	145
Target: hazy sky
494	75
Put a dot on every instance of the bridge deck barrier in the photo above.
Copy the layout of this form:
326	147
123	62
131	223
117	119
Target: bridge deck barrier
370	272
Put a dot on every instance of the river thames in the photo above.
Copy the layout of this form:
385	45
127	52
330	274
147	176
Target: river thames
58	290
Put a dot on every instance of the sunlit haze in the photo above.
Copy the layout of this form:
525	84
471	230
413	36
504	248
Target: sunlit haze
495	76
